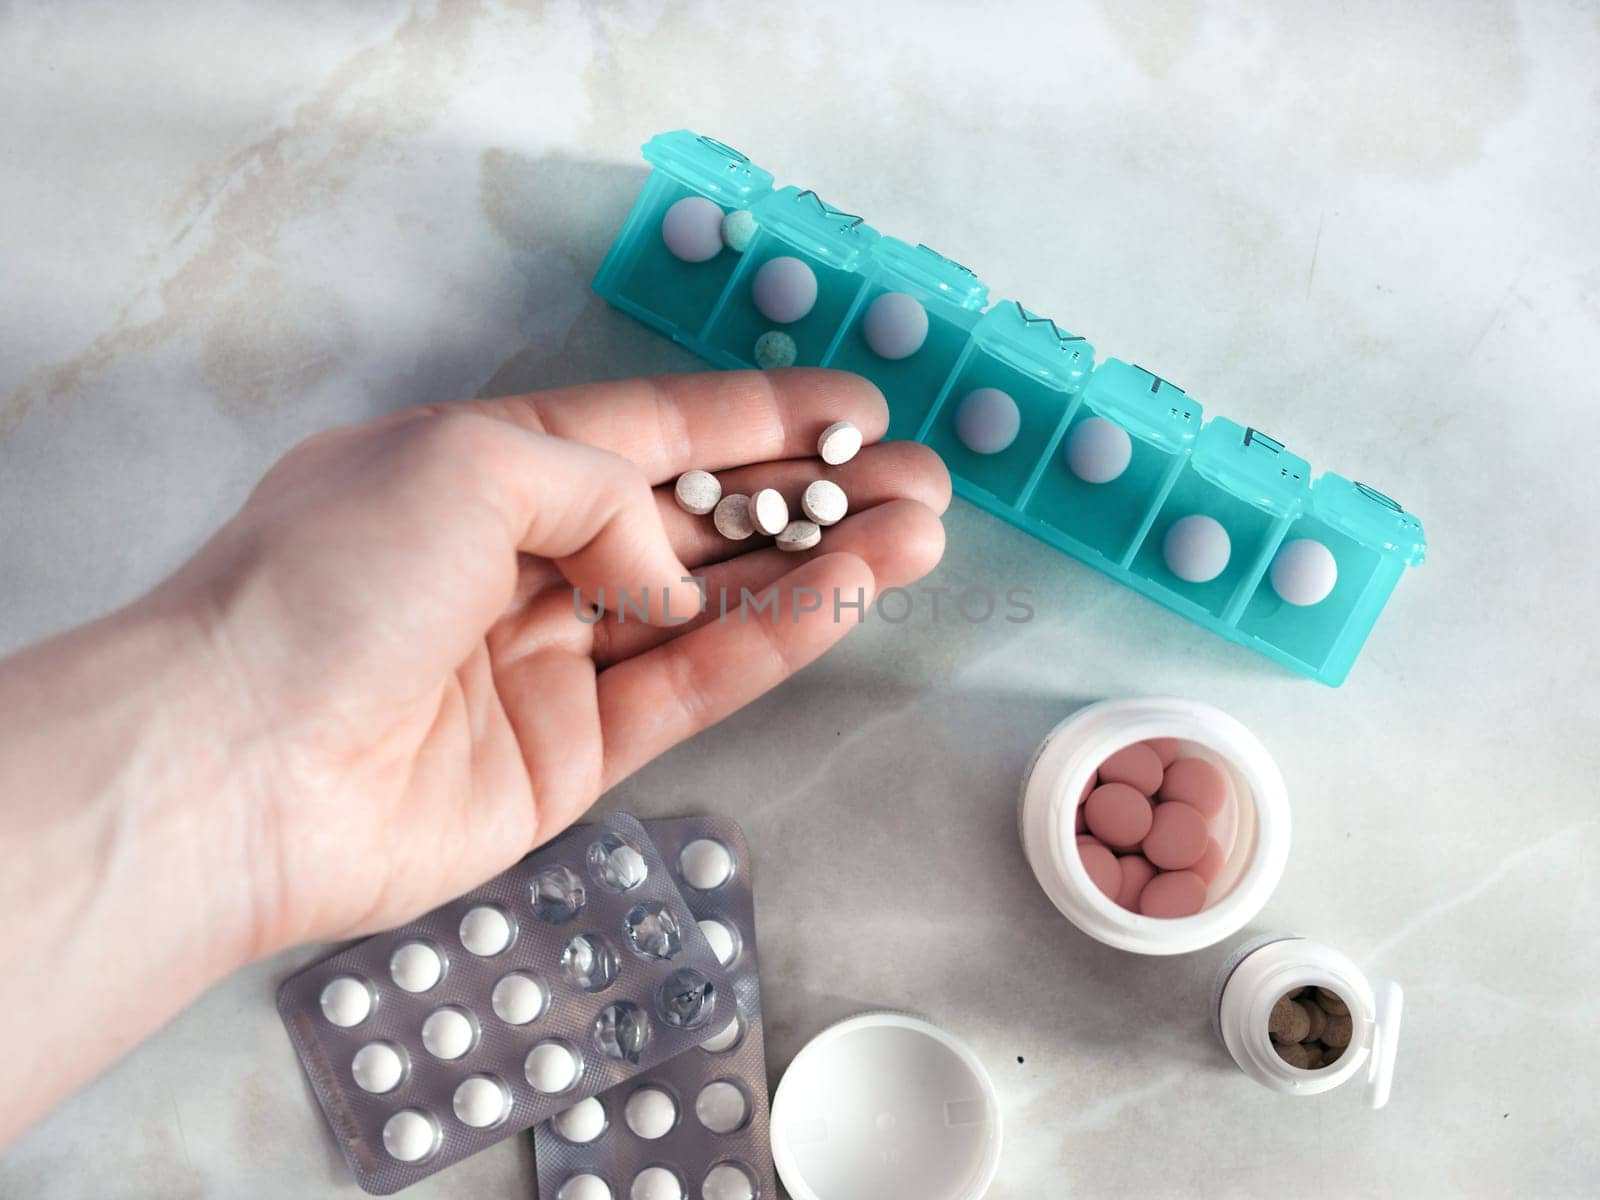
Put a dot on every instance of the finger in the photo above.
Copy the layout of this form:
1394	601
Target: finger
879	474
652	702
900	542
560	743
669	424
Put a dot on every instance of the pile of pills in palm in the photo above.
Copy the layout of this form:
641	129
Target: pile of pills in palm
578	969
1310	1027
766	512
1145	828
695	1128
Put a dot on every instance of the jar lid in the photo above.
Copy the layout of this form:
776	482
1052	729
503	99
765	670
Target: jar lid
885	1107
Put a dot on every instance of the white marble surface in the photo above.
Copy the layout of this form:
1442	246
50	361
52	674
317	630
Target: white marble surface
1370	231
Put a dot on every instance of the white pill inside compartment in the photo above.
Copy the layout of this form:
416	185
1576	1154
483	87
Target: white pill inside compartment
723	937
705	863
582	1123
584	1187
378	1067
651	1112
449	1032
784	289
1098	450
481	1101
347	1001
410	1135
416	966
519	998
656	1183
692	229
1304	572
722	1106
552	1067
616	863
487	930
895	326
987	421
1196	548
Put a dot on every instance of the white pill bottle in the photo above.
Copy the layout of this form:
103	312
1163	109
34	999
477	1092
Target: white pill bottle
1253	829
1266	968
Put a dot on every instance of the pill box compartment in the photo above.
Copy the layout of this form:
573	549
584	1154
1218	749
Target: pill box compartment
1042	368
832	242
640	275
953	298
1373	540
1247	483
1161	420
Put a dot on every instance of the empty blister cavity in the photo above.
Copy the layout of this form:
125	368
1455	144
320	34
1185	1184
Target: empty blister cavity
653	931
410	1135
582	1123
557	895
656	1183
895	325
416	967
519	998
706	863
729	1181
487	930
378	1067
449	1032
622	1031
685	999
692	229
347	1001
722	1106
723	939
589	962
615	863
650	1112
552	1067
481	1101
586	1186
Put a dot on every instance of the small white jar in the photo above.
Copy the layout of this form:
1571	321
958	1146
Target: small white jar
1271	966
1253	828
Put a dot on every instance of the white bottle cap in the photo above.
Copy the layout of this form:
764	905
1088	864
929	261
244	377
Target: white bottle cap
885	1105
1386	1041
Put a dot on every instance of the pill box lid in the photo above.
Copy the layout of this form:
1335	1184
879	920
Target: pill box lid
708	166
1251	465
1370	517
806	220
1035	345
925	270
886	1104
1143	403
1390	1000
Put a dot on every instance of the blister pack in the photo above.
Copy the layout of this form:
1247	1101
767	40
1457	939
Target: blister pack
577	969
694	1128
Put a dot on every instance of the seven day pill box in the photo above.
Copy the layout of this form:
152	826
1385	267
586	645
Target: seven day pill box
1217	521
577	969
696	1126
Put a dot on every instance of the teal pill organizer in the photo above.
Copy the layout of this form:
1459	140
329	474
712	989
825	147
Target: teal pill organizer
1335	548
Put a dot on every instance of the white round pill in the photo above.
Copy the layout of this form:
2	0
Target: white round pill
481	1101
551	1067
1196	548
584	1187
724	943
839	442
697	492
784	289
486	930
410	1136
775	350
448	1033
1304	572
769	511
518	998
346	1001
651	1112
415	967
721	1106
732	517
1098	450
824	502
705	863
799	535
656	1183
728	1181
987	421
726	1038
895	325
378	1067
692	229
582	1123
738	229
